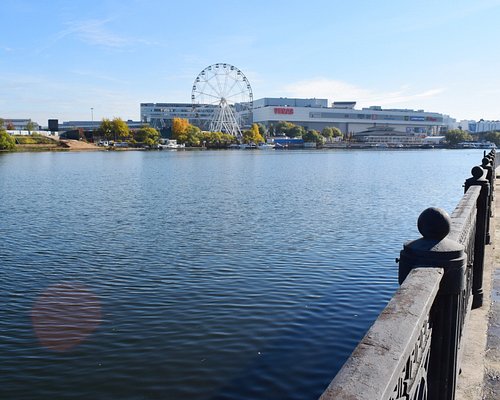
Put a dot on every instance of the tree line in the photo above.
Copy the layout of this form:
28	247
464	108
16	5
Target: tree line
118	130
186	133
309	135
456	136
7	141
191	135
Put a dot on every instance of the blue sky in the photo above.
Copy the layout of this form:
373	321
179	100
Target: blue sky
59	59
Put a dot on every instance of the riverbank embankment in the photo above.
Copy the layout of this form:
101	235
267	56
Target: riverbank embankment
79	145
37	143
45	143
480	368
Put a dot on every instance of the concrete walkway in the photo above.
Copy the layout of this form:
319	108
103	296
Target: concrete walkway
480	366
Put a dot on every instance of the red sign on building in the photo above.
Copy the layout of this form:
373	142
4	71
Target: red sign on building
283	110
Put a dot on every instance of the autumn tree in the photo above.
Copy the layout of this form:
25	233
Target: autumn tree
180	128
192	136
147	135
121	129
106	129
115	129
252	135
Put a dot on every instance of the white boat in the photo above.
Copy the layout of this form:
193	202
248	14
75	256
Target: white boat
487	145
380	145
170	144
265	146
247	146
477	145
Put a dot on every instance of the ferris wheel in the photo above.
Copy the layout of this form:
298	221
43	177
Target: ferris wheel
222	97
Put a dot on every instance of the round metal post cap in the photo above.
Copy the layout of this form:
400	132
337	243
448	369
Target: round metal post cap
477	172
434	223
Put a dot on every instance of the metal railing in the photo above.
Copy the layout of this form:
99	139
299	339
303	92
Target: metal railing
413	349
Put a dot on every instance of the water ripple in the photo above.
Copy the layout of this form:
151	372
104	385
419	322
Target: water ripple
201	275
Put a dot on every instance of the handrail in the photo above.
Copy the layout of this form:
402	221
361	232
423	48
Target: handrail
463	215
396	348
413	349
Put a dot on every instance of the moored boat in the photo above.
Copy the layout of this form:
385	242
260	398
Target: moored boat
170	144
265	146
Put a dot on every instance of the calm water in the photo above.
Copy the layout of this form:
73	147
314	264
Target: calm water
202	275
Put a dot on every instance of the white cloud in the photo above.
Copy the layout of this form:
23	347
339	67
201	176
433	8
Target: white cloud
344	91
94	32
98	76
480	101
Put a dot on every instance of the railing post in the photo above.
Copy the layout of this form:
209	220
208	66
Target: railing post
487	165
435	250
482	232
492	157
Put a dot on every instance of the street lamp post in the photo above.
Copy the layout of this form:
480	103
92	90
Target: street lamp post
92	124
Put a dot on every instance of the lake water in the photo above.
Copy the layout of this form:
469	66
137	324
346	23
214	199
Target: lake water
202	275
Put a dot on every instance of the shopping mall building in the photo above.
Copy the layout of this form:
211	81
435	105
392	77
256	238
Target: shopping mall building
315	114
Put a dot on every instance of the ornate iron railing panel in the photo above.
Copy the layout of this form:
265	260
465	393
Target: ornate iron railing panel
412	382
463	231
413	349
391	361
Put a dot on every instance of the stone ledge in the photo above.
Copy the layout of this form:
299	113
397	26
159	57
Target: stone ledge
480	367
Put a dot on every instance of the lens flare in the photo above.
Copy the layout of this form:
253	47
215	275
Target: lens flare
64	315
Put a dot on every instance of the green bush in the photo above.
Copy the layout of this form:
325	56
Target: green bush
456	136
493	137
7	142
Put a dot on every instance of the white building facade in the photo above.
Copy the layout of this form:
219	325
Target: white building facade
93	125
480	126
160	115
315	114
19	124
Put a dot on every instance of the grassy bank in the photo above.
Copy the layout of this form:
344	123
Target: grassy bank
45	143
37	143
